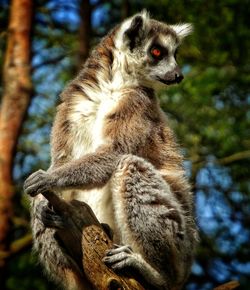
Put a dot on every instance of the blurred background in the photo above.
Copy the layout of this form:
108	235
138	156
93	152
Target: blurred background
42	46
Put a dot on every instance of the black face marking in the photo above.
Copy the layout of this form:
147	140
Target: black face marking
133	32
156	53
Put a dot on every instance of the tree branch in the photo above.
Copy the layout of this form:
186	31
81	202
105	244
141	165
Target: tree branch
228	286
235	157
54	60
16	247
196	165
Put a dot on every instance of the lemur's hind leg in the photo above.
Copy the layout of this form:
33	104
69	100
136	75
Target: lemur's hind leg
57	262
150	221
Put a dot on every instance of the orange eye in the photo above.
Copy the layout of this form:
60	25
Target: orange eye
156	52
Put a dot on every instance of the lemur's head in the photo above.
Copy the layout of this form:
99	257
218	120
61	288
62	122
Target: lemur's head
150	48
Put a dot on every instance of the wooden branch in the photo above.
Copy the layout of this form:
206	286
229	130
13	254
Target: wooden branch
197	164
228	286
86	242
85	31
54	60
235	157
16	247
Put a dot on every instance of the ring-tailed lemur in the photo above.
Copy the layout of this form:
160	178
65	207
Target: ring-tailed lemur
112	148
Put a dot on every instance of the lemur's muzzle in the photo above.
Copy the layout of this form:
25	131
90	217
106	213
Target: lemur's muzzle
173	77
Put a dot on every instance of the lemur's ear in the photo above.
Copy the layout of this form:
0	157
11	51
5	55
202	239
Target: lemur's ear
182	30
133	33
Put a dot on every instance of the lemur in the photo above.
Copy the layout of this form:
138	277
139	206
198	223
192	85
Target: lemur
113	149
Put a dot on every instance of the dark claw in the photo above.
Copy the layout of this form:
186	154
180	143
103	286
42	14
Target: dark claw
35	189
119	257
38	182
118	249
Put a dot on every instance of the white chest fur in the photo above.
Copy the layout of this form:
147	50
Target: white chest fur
87	118
88	121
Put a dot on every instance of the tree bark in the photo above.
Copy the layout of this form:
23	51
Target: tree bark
15	100
84	31
228	286
125	9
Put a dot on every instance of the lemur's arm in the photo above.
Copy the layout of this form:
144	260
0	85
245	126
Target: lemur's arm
92	170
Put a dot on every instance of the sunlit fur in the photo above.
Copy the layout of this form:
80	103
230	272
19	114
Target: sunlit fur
111	107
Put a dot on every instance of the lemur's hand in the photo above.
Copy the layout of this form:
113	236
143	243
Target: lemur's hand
39	182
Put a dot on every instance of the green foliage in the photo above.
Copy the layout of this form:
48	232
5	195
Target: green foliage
24	277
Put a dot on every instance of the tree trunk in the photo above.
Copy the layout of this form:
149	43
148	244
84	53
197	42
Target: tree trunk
15	101
84	31
125	9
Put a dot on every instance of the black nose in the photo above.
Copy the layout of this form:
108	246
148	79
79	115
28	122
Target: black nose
172	77
179	78
178	75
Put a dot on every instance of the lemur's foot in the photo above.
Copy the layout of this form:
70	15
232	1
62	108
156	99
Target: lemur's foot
120	257
49	217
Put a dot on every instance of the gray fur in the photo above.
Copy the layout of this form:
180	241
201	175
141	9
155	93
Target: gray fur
156	221
92	170
112	148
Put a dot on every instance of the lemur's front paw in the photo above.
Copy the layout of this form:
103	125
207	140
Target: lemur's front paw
39	182
120	257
